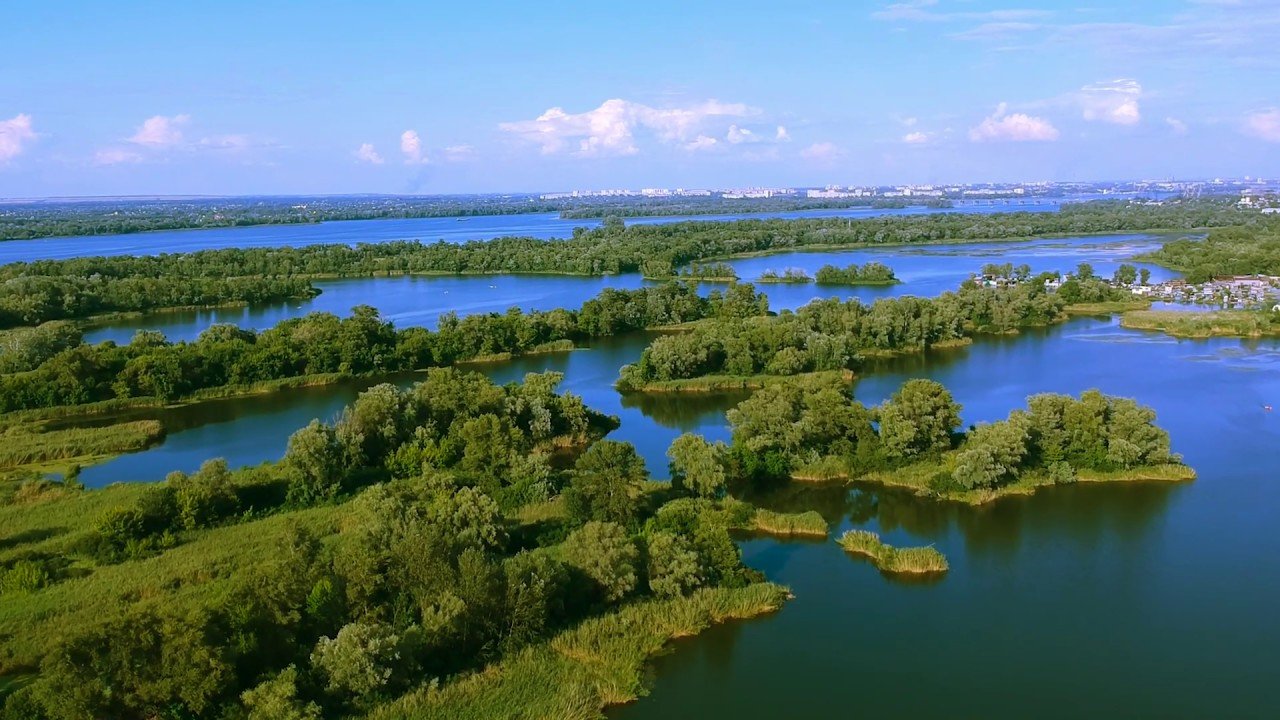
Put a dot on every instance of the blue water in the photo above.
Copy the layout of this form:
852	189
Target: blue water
449	229
419	301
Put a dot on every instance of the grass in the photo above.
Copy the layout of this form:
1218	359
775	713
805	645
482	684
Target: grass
914	560
1213	323
20	448
1106	308
805	524
724	383
583	670
194	573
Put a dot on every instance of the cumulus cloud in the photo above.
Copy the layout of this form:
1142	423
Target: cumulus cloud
1017	127
366	153
782	135
1264	125
1176	126
411	146
737	135
160	131
917	138
1113	102
116	156
821	151
15	133
612	128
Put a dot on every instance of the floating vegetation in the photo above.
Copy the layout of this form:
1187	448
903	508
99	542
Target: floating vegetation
890	559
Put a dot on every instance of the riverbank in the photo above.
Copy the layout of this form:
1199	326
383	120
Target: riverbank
582	671
27	448
725	383
1106	308
1213	323
920	478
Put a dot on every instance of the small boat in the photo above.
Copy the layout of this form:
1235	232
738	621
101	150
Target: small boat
1266	408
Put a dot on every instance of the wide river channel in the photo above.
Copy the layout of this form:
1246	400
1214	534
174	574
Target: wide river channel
1146	600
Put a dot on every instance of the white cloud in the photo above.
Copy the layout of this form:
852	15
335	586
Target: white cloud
1264	125
366	153
612	128
411	146
14	134
821	151
116	156
702	142
737	135
459	153
782	135
160	131
1113	102
1176	126
917	138
1018	127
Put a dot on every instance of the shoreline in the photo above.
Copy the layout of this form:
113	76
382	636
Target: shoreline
914	478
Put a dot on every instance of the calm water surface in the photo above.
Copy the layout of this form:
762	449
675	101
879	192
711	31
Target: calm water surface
408	301
448	229
1136	600
1144	600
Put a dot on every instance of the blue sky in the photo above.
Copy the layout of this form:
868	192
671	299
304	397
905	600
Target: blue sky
332	97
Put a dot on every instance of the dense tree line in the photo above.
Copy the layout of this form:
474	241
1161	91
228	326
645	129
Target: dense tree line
40	288
872	273
34	299
1227	251
22	221
72	373
830	334
423	580
717	205
813	420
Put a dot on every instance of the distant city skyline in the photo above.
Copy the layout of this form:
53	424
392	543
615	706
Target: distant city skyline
143	98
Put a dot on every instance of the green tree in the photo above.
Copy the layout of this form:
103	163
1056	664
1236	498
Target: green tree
206	497
277	699
918	419
316	457
604	554
993	454
697	466
605	483
674	567
363	659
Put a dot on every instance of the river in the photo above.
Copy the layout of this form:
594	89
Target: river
447	229
1127	600
409	301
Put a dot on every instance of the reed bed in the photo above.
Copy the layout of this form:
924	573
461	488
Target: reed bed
583	670
20	448
915	560
1218	323
805	524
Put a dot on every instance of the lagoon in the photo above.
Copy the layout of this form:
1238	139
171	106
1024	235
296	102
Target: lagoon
1125	600
420	300
447	229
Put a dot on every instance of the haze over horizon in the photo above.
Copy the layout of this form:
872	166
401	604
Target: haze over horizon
261	98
